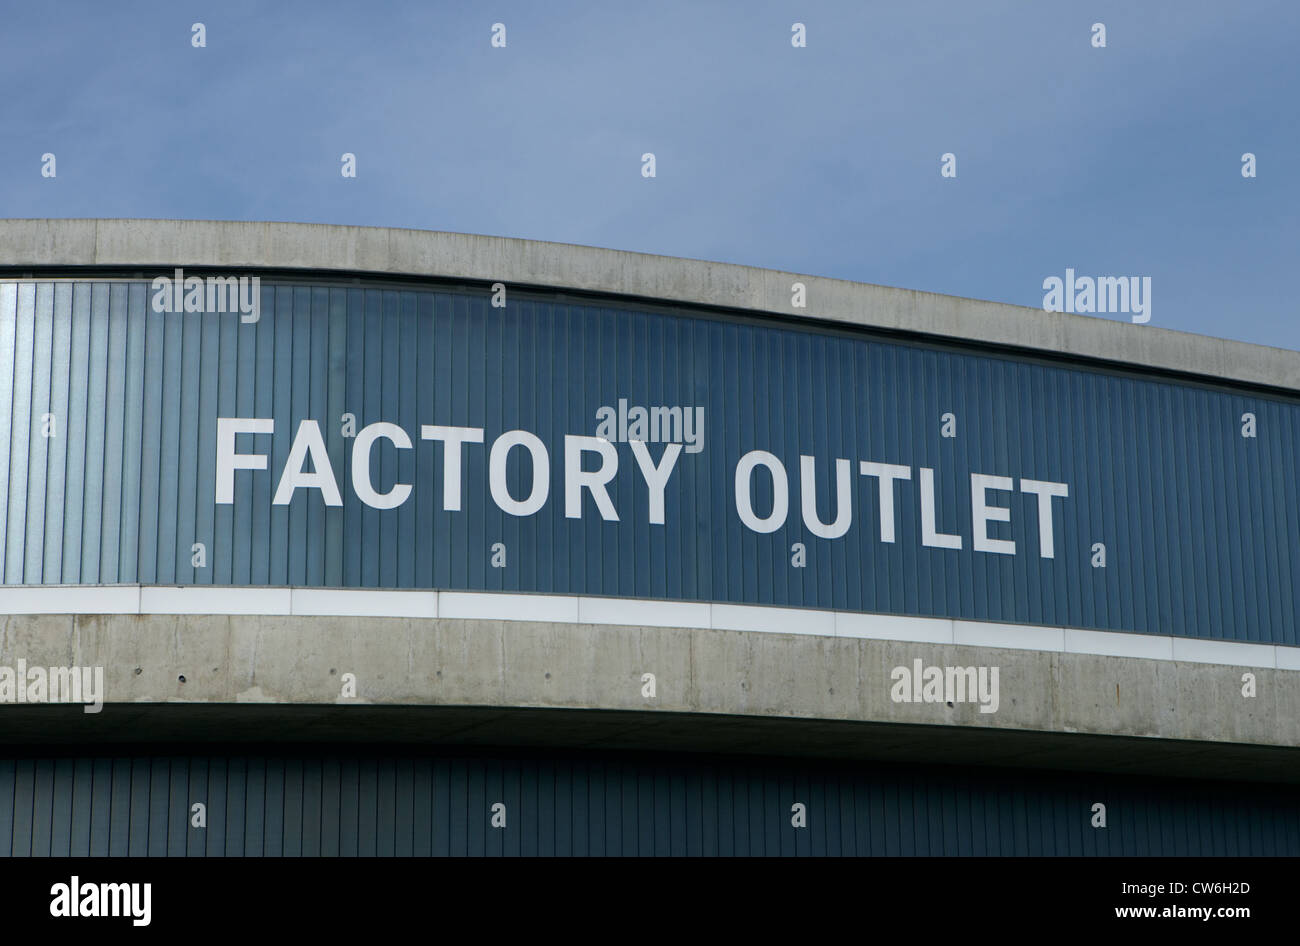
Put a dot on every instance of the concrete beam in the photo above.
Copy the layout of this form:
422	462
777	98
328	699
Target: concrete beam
283	665
35	244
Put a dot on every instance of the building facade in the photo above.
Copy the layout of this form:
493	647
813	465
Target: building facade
380	541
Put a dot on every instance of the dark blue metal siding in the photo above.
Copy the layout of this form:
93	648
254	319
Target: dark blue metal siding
1199	524
442	805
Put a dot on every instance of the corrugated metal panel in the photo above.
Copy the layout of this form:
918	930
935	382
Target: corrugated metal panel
375	806
1199	523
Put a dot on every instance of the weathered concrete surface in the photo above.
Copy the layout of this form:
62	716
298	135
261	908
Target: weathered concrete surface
170	243
297	662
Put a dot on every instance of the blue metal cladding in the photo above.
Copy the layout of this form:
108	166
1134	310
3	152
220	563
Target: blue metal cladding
1199	523
433	804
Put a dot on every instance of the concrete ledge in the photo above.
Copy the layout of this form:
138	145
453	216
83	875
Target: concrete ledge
283	661
296	246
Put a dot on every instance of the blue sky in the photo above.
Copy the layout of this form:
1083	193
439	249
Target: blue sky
824	160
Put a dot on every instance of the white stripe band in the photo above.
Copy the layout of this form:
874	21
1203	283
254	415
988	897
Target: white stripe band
635	612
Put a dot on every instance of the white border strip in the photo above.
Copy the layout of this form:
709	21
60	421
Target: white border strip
632	612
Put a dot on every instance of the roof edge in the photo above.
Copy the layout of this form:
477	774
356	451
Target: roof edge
428	253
